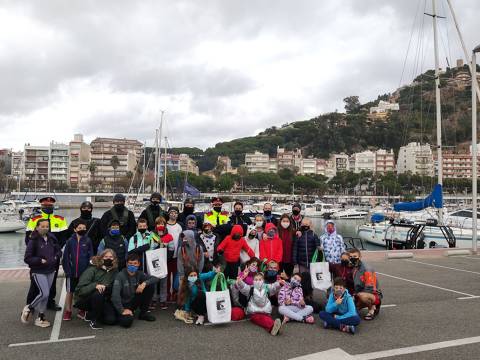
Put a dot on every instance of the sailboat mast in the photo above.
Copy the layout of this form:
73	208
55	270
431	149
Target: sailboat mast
165	172
438	106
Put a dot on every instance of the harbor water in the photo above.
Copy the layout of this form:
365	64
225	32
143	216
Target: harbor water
12	245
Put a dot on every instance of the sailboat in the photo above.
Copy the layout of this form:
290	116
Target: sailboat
430	232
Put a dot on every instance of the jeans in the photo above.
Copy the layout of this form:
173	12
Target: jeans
294	312
337	323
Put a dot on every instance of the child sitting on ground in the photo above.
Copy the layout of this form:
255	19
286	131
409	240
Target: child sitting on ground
340	312
191	296
259	307
292	304
247	275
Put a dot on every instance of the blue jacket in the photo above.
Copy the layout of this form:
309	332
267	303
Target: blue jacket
345	310
76	256
194	288
304	247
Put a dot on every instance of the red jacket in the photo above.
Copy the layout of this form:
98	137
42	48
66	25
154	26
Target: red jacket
271	249
231	248
287	243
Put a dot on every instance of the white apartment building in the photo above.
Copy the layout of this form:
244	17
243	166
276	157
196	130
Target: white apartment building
416	158
257	162
364	161
58	163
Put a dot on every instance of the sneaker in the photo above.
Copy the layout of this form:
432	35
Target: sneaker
81	314
153	305
163	306
189	316
200	320
352	329
325	325
277	325
26	314
181	315
94	325
285	319
67	315
146	316
309	319
53	306
42	322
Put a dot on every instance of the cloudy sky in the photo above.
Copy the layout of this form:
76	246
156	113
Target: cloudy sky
221	69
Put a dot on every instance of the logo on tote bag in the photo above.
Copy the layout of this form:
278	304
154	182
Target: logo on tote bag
220	305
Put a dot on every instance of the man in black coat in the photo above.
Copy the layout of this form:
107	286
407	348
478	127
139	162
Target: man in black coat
120	213
153	211
93	224
239	218
189	209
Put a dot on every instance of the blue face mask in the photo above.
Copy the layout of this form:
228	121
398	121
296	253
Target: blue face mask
114	232
192	279
294	283
132	268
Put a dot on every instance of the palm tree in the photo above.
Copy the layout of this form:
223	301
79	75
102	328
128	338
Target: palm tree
92	167
114	162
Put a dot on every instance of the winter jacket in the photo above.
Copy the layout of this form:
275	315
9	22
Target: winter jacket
209	244
242	220
365	280
128	225
190	254
296	222
38	248
345	310
295	294
333	245
194	289
271	249
76	256
140	244
304	247
95	274
231	248
93	230
150	214
117	243
253	244
344	272
259	300
124	287
287	238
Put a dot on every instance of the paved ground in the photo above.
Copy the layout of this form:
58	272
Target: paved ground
435	301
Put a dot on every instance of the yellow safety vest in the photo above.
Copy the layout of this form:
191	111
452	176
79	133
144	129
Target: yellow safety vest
216	218
57	223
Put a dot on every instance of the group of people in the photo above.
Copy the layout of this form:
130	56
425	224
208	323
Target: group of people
266	263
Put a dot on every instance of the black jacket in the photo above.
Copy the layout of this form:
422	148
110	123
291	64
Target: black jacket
128	225
93	231
38	249
242	220
150	214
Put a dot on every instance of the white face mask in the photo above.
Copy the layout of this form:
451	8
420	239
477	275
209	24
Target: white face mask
258	223
285	225
258	284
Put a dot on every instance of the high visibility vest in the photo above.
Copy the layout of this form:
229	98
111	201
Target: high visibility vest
216	218
57	223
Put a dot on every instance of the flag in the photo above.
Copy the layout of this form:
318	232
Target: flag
190	190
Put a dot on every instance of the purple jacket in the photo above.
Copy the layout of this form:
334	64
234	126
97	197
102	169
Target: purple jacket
38	249
294	294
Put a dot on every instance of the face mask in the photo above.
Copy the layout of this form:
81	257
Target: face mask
345	262
271	233
114	232
305	227
160	228
86	214
187	210
267	213
108	262
207	231
338	293
81	232
294	283
285	225
258	223
217	208
295	212
252	268
192	279
271	274
48	210
236	236
142	231
238	212
155	204
173	216
355	261
251	236
132	268
258	284
119	206
330	230
42	232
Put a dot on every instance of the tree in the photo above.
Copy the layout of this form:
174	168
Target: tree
114	162
352	104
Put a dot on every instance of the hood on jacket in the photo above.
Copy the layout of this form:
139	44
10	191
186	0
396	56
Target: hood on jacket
334	228
191	217
271	226
236	229
189	237
250	228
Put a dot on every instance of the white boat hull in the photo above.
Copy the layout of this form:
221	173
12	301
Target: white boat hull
375	234
11	225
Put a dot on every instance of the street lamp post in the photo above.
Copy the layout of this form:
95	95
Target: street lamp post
474	148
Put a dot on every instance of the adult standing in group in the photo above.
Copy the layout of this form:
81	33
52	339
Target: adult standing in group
239	218
296	217
267	214
59	228
93	224
189	209
304	246
218	218
286	232
120	213
153	211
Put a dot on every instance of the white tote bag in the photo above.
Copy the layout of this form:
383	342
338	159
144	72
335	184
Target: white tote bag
219	307
320	273
157	262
